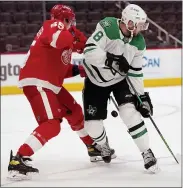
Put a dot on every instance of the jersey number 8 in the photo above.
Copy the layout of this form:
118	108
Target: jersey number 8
98	36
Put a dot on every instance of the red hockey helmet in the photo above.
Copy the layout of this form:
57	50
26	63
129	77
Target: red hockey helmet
62	12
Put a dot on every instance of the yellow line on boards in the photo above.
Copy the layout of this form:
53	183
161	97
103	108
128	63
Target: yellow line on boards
11	90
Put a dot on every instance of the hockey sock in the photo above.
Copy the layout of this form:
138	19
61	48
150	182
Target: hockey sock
83	135
39	137
137	129
80	130
96	130
87	140
140	136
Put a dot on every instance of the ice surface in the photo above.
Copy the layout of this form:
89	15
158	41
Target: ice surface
64	161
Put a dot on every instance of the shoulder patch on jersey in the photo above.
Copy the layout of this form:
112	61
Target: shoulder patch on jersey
139	42
111	28
105	23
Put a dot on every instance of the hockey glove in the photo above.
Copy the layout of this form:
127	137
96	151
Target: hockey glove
146	108
78	47
82	71
79	39
118	60
78	70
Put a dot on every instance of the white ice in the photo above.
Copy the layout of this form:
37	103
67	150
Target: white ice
64	160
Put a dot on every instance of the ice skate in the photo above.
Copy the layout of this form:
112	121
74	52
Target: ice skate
150	161
106	152
19	168
94	151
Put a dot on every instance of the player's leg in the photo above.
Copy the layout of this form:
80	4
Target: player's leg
134	122
74	115
48	114
95	110
75	119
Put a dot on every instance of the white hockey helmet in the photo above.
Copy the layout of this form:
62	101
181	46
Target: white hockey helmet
135	14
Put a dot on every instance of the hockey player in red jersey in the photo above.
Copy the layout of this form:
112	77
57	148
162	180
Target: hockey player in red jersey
47	64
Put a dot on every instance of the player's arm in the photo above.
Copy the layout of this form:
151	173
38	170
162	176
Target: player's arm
135	75
75	70
79	39
58	36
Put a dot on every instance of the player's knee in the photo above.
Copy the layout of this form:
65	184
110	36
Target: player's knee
124	98
94	127
76	119
129	115
49	129
54	127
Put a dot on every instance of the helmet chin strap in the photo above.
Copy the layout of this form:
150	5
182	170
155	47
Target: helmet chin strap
131	31
131	35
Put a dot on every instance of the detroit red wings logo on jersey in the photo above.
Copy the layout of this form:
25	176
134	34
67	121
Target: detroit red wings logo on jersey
66	56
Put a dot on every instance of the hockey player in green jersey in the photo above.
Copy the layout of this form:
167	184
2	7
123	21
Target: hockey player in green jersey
117	44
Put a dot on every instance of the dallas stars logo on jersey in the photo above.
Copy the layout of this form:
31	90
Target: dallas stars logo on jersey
105	23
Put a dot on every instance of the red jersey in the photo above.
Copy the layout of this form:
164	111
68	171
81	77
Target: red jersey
49	58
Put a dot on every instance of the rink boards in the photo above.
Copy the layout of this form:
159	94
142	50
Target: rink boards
161	67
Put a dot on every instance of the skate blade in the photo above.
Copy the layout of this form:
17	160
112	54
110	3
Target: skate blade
153	169
98	158
16	176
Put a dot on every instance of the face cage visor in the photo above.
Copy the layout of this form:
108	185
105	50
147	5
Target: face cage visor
71	22
141	26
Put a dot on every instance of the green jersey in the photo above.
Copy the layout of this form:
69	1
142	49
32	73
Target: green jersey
108	37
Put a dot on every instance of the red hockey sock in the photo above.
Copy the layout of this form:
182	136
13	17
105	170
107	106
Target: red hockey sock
84	136
25	150
87	140
39	137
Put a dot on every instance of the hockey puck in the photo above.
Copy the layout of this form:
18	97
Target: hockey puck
114	113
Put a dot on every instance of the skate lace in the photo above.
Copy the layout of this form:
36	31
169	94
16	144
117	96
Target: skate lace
27	161
148	156
98	147
105	150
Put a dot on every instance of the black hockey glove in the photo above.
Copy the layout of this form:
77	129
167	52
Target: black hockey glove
120	60
146	108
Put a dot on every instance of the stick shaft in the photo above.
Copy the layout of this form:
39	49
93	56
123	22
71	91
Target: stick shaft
114	102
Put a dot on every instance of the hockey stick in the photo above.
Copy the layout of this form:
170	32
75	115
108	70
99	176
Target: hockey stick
114	102
127	78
